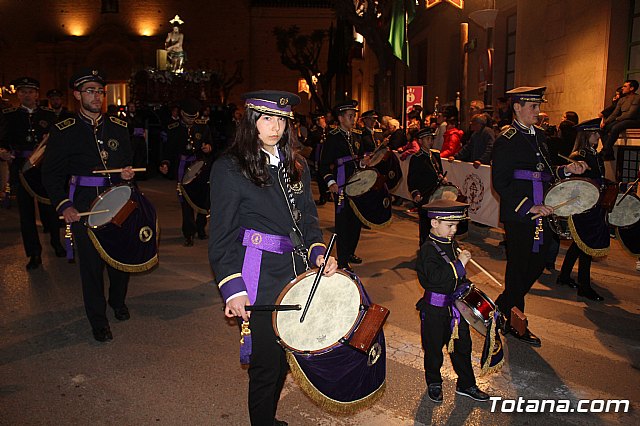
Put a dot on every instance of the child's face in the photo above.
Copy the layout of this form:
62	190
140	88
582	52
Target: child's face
444	228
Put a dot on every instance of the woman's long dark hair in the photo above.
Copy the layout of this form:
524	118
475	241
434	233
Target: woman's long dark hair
582	141
246	149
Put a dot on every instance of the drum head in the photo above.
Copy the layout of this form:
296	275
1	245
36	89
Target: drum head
378	156
582	193
360	182
113	200
627	212
332	314
445	192
192	172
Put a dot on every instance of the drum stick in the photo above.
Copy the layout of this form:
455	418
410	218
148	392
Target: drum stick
314	287
349	183
477	265
88	213
627	191
272	308
564	157
564	203
139	169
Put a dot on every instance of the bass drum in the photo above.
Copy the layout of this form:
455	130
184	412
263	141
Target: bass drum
389	167
625	213
331	372
369	198
126	232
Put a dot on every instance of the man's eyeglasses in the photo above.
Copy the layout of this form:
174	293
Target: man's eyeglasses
93	92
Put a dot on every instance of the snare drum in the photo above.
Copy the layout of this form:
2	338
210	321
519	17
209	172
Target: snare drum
573	196
476	308
627	213
378	155
363	181
195	186
333	373
126	236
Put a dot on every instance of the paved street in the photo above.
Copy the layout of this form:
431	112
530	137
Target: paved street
176	361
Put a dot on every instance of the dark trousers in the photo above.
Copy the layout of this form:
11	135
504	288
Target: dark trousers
523	266
348	228
28	228
192	222
436	332
584	266
267	371
91	274
614	129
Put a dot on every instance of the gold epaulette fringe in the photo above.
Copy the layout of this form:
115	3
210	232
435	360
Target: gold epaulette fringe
325	402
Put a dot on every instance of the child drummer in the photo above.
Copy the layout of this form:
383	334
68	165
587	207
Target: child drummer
442	274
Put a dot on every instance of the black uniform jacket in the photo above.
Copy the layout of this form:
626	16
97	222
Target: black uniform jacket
74	150
23	131
238	203
179	137
372	137
337	146
594	161
437	275
424	168
516	150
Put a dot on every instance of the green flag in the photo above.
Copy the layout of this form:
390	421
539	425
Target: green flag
402	15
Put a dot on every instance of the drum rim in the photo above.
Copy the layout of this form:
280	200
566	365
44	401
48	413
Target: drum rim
194	176
381	148
375	183
477	313
290	284
101	197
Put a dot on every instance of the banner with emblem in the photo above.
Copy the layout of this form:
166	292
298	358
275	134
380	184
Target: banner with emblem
474	184
414	96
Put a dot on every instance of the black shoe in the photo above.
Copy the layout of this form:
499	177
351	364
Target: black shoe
122	314
34	263
474	393
550	267
102	334
589	293
202	235
355	259
60	251
434	392
277	422
570	282
347	268
188	241
527	337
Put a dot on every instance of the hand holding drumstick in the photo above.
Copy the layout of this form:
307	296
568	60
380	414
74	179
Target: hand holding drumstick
544	210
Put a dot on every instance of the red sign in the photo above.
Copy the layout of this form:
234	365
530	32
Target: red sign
415	96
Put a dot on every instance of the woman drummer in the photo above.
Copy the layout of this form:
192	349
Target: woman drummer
589	230
264	232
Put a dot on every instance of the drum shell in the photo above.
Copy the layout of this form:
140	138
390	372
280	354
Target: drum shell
390	168
195	191
373	208
31	180
608	195
590	231
476	308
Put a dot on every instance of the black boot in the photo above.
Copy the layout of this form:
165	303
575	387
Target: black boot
588	292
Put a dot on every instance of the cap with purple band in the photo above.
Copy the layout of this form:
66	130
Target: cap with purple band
272	102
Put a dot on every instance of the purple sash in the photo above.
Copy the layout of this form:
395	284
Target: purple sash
138	132
537	178
341	178
442	300
256	242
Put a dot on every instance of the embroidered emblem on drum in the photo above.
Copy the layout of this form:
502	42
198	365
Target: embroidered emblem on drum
386	202
473	189
297	187
321	339
391	174
374	354
198	136
104	155
145	234
113	144
256	239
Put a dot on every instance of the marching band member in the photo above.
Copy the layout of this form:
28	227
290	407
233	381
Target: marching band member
442	274
590	231
187	141
79	145
343	149
25	127
425	170
521	172
264	232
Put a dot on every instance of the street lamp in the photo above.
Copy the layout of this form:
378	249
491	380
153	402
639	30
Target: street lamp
486	18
